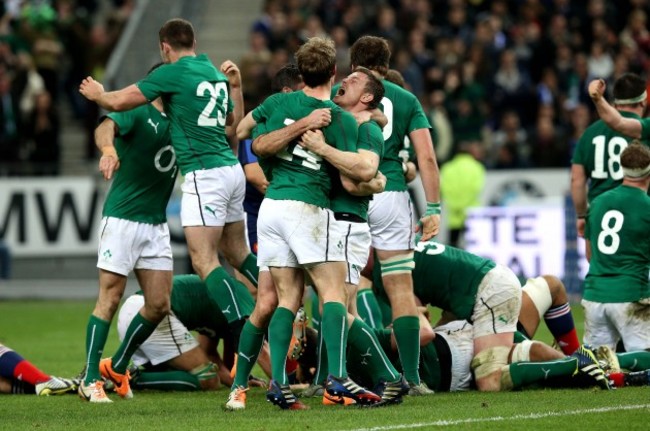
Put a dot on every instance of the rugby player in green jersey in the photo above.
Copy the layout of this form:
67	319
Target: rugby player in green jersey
362	95
133	235
616	292
446	356
389	214
198	100
488	295
171	358
296	229
359	94
629	92
597	156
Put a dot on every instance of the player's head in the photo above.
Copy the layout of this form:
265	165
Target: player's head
370	52
287	79
360	88
630	91
395	77
635	161
316	60
176	35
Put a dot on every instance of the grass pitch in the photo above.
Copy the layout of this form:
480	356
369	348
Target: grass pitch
52	336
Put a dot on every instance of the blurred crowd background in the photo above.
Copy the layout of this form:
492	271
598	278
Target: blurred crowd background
508	77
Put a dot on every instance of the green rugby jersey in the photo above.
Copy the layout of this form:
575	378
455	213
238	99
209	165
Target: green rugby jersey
445	277
299	174
193	306
370	139
405	114
143	183
196	99
599	151
618	226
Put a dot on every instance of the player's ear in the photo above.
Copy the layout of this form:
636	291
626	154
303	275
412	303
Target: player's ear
366	98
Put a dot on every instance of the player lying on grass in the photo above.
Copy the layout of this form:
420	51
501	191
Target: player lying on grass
19	376
171	358
446	358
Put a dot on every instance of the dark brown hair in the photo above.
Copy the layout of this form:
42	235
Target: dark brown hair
178	33
371	52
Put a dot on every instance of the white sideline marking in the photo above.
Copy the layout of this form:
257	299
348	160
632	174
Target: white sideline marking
443	423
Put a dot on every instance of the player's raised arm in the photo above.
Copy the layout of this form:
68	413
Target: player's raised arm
231	70
120	100
630	127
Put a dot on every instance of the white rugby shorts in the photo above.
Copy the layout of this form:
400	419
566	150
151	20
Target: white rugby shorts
459	338
607	323
213	197
498	301
126	245
293	234
356	242
170	338
391	221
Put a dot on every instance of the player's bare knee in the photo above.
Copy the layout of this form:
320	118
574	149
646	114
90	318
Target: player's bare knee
487	366
157	308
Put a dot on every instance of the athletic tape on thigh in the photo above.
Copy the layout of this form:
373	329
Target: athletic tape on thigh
400	264
539	292
489	361
521	352
205	372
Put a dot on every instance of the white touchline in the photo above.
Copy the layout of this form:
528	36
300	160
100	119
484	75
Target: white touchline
451	422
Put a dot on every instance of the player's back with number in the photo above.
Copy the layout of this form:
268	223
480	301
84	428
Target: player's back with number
196	98
618	223
599	152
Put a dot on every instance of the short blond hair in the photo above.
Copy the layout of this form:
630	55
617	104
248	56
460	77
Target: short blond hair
316	61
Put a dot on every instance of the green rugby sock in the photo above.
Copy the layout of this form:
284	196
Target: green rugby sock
363	339
634	361
96	335
167	381
368	308
407	336
526	373
280	332
250	344
137	333
321	367
249	269
222	290
335	335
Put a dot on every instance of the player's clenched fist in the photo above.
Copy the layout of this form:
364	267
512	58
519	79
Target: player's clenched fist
232	72
319	118
597	89
91	89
